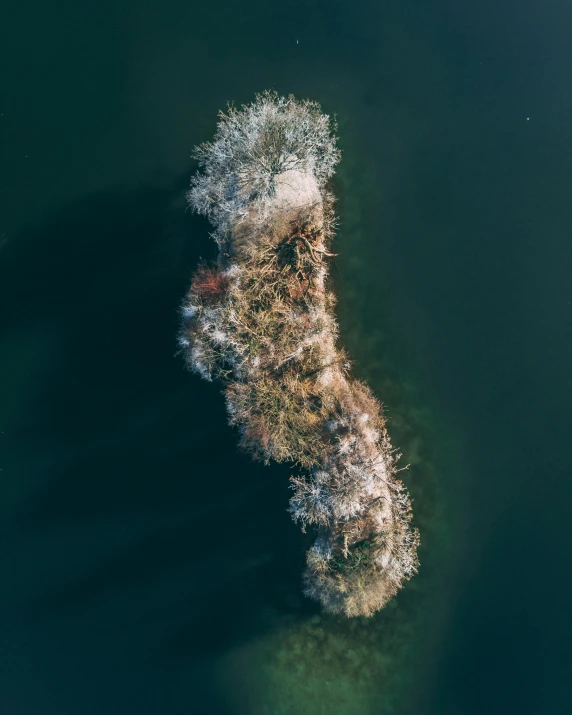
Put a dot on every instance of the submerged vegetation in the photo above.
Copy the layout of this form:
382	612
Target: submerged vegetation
262	321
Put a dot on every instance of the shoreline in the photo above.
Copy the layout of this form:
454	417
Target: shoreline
262	321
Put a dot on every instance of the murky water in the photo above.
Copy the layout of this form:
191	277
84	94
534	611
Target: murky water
148	567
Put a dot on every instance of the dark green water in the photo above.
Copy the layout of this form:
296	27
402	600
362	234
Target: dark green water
149	568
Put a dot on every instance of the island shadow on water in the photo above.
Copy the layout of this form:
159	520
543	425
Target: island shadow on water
160	544
165	531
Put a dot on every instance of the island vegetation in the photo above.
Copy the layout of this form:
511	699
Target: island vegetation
261	320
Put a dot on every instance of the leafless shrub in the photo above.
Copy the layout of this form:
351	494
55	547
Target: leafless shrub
209	283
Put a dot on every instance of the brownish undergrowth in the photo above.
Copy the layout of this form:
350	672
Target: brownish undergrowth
261	320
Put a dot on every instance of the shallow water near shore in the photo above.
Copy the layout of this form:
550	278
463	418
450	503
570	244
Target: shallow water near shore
151	568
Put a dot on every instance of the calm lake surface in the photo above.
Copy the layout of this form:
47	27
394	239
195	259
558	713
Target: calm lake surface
147	566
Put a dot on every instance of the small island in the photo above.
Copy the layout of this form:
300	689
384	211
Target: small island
261	320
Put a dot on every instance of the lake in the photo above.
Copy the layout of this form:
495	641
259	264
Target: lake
148	566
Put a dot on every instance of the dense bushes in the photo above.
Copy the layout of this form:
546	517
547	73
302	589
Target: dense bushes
262	321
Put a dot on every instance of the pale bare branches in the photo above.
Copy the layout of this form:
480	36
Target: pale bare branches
254	146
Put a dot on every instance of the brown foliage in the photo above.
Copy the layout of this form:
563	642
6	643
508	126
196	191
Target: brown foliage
209	283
